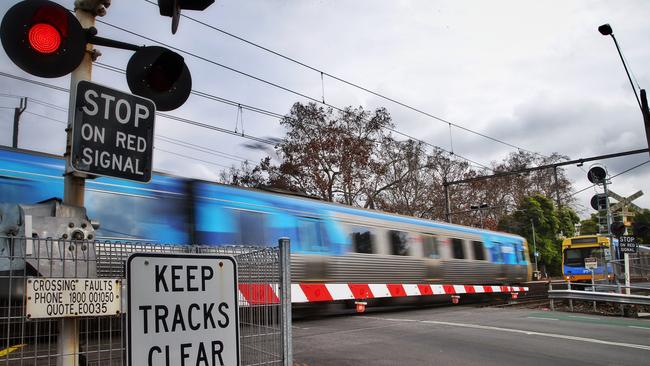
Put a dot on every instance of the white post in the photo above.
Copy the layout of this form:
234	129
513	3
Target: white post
74	186
627	273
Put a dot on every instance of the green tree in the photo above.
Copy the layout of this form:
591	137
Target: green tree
589	226
549	222
642	223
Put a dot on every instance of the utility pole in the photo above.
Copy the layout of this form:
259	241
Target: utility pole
646	115
74	186
17	112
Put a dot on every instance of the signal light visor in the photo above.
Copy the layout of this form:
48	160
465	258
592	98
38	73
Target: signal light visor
44	38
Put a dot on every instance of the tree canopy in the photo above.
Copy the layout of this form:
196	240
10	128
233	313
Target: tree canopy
352	157
550	226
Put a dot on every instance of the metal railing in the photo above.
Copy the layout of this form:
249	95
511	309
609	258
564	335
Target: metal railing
265	324
597	292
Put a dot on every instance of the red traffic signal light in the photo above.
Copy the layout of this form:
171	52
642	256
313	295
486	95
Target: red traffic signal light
43	38
160	75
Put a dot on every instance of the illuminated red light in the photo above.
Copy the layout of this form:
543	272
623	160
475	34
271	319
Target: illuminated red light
44	38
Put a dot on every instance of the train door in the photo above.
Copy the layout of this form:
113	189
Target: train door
498	258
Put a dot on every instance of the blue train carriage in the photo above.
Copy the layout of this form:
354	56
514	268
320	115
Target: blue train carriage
126	211
336	243
330	242
576	249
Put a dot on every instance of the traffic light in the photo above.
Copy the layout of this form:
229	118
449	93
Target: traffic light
617	228
43	38
599	202
160	75
597	174
172	8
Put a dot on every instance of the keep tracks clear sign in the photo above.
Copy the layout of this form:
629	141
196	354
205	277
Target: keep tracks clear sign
182	310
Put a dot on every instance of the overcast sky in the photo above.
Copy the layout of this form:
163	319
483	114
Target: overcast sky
535	74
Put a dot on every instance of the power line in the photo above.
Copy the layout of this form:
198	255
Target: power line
205	95
192	158
47	117
279	116
344	81
202	149
164	115
277	86
612	177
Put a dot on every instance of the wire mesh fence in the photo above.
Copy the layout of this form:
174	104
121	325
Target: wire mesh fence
264	306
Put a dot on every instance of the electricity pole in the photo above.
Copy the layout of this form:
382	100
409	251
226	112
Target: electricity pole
17	112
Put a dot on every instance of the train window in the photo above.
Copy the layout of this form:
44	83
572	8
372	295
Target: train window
522	253
399	242
457	248
362	240
497	254
430	246
479	253
310	236
251	228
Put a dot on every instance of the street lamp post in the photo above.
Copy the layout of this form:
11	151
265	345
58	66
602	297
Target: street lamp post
642	101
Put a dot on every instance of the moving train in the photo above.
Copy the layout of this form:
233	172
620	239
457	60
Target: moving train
329	242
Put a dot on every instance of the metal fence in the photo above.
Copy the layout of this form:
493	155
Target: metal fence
264	301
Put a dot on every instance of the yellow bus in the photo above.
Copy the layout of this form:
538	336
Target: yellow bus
577	248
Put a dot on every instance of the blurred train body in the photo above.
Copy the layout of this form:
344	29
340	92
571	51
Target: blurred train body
329	242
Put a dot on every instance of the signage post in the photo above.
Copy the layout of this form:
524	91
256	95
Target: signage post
627	244
182	310
591	263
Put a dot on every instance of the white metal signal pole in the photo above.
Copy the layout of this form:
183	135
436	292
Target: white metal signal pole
74	186
609	227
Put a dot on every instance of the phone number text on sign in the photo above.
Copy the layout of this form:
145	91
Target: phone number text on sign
72	297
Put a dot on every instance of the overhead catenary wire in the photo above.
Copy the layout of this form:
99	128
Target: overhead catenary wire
191	158
611	177
164	115
291	91
280	116
347	82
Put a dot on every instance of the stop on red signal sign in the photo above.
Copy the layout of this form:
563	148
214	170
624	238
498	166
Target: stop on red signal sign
43	38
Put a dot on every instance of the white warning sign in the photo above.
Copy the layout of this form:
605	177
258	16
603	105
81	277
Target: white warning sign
182	310
71	297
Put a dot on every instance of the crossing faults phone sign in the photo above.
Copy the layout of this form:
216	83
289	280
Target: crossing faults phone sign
182	310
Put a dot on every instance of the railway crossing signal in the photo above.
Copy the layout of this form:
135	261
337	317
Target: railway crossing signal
43	38
624	202
160	75
172	8
618	228
599	202
597	175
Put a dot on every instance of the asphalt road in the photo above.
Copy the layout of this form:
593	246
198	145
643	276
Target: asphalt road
471	336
